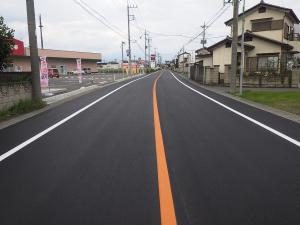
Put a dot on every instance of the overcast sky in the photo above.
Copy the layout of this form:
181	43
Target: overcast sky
68	27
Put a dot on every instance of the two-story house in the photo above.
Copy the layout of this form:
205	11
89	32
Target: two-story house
270	40
183	61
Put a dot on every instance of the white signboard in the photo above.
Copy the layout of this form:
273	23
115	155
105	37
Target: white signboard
79	70
44	72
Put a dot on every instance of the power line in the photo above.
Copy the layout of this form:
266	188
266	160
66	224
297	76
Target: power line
100	15
97	18
140	14
171	35
162	34
211	22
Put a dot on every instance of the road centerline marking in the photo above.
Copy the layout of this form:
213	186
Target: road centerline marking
167	210
266	127
44	132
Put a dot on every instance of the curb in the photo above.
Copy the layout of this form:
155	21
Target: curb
277	112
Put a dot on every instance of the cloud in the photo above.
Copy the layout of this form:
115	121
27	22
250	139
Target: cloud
69	27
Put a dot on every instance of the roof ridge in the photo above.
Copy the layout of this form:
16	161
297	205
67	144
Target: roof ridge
262	3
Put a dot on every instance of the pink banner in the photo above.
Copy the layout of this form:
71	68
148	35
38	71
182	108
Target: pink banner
79	70
44	72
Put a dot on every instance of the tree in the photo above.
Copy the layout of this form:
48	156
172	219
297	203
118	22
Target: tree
6	44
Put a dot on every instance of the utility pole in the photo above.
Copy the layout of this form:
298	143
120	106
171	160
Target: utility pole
155	52
122	47
129	18
234	44
145	46
149	51
203	41
34	57
41	32
243	50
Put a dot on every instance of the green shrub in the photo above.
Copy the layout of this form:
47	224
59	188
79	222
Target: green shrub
23	106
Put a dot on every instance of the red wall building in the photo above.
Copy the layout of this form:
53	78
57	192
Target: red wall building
64	61
19	49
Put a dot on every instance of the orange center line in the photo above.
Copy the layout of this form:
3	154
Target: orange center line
167	211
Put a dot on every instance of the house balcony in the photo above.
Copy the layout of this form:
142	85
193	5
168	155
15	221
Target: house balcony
294	37
294	40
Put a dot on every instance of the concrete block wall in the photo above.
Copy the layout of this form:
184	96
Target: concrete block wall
208	75
296	78
215	75
12	93
227	74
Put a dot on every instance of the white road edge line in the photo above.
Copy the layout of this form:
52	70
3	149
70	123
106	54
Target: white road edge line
37	136
295	142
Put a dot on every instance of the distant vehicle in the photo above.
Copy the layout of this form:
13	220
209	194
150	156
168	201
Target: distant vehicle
52	72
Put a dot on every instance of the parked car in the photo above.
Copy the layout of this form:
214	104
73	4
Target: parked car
87	70
53	72
77	72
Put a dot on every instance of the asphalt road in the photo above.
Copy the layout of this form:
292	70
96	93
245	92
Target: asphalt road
125	157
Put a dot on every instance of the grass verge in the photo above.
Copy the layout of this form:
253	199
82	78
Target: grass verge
286	100
22	107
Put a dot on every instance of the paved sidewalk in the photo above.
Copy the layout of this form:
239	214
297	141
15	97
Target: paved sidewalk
225	92
46	92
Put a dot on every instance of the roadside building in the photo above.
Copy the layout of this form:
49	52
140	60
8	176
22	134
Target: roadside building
184	62
271	43
64	61
203	61
109	65
135	68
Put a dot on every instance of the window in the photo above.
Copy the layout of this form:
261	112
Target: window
277	24
286	31
261	26
268	63
265	25
262	10
247	38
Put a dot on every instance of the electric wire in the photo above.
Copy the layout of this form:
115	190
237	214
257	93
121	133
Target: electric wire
103	17
100	20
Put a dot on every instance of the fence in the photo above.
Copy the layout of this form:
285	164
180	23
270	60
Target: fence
14	77
212	76
286	79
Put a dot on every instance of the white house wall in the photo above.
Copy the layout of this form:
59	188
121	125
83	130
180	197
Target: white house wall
273	34
207	61
222	57
262	47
